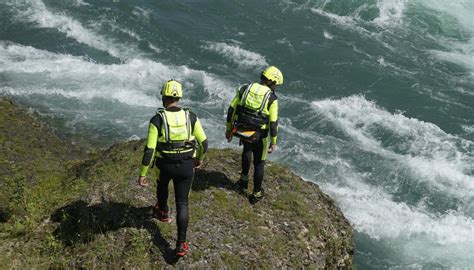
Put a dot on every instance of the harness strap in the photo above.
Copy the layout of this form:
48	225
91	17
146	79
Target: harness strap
246	93
188	125
267	96
166	127
176	145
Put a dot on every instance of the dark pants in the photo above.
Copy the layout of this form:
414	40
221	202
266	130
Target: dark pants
258	150
182	174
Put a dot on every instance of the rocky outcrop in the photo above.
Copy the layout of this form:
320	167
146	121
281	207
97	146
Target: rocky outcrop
91	213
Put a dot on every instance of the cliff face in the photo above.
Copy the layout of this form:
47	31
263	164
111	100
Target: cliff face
62	206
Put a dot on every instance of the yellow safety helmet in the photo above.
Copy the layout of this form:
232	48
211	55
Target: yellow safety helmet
172	88
272	73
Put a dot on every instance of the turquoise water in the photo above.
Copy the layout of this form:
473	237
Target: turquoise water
377	105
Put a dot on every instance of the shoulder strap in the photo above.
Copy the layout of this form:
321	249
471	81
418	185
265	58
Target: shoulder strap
246	93
188	124
165	124
242	90
159	110
159	123
267	95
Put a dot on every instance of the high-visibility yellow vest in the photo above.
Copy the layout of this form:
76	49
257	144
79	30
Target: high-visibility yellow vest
176	140
252	110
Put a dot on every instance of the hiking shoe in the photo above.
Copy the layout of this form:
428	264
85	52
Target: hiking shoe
181	249
161	214
256	197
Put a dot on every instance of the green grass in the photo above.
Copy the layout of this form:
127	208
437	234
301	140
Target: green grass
233	261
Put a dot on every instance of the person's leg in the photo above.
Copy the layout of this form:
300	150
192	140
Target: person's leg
246	158
246	161
162	184
182	185
259	155
182	181
161	209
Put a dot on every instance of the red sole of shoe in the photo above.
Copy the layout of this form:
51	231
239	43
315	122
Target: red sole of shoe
166	220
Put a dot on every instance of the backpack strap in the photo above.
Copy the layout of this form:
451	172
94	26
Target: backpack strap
188	124
267	96
242	90
165	123
246	93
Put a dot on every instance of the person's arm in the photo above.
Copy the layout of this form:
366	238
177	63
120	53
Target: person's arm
231	111
273	119
149	152
201	138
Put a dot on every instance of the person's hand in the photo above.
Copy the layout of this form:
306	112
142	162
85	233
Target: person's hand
272	148
228	135
143	181
197	164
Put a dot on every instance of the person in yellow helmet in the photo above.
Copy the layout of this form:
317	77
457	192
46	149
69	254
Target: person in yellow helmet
176	144
253	117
